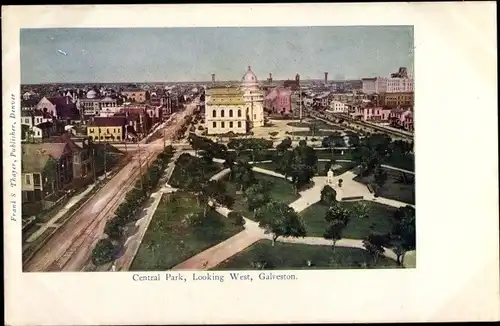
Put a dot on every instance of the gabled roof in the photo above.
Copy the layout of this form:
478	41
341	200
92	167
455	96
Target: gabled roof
36	156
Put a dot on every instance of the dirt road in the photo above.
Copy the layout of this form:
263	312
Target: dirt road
70	247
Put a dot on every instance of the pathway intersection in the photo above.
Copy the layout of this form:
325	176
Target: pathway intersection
252	233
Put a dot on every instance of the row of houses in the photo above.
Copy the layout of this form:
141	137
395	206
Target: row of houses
400	117
53	166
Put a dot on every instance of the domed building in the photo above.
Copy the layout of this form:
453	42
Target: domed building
91	94
253	97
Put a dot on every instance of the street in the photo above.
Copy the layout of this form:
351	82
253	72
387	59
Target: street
71	246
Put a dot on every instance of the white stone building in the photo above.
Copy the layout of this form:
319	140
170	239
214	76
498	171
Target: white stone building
225	111
254	99
338	107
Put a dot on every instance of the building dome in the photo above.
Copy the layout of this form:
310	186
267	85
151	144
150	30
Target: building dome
91	94
249	77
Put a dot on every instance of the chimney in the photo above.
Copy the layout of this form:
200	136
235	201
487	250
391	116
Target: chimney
213	78
326	78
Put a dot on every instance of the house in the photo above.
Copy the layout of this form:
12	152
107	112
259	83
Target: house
28	104
338	107
371	112
35	126
135	95
106	129
279	101
402	118
82	163
398	99
67	111
45	168
47	105
137	116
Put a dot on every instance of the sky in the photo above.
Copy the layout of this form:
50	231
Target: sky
109	55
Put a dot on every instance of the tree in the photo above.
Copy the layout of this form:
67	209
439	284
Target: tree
360	209
285	144
51	173
236	218
113	228
243	174
328	195
380	176
281	220
374	244
257	195
337	218
103	252
403	234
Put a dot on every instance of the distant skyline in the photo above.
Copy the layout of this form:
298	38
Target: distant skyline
93	55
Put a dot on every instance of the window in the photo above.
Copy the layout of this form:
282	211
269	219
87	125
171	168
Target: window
36	179
222	124
255	116
230	113
222	114
239	113
214	124
231	124
214	114
28	179
239	124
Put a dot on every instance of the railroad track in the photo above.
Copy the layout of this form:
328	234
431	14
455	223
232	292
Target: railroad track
91	235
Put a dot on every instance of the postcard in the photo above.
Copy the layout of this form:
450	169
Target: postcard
174	164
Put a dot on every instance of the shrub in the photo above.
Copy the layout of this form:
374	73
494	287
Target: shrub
201	128
328	195
103	252
236	218
314	139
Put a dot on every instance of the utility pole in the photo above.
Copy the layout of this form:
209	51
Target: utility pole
140	164
93	164
300	103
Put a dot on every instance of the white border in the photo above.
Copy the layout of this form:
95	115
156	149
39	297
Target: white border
456	103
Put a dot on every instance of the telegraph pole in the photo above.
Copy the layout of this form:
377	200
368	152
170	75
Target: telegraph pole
140	164
300	103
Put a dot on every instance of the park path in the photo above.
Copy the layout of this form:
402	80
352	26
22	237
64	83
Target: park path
252	233
72	202
133	242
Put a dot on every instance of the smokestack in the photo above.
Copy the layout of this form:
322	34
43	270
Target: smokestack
326	78
270	77
213	78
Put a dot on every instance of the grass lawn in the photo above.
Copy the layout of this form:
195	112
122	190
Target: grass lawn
281	190
406	162
393	188
295	256
379	220
170	238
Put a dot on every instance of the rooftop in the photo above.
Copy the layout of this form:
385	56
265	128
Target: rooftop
107	122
